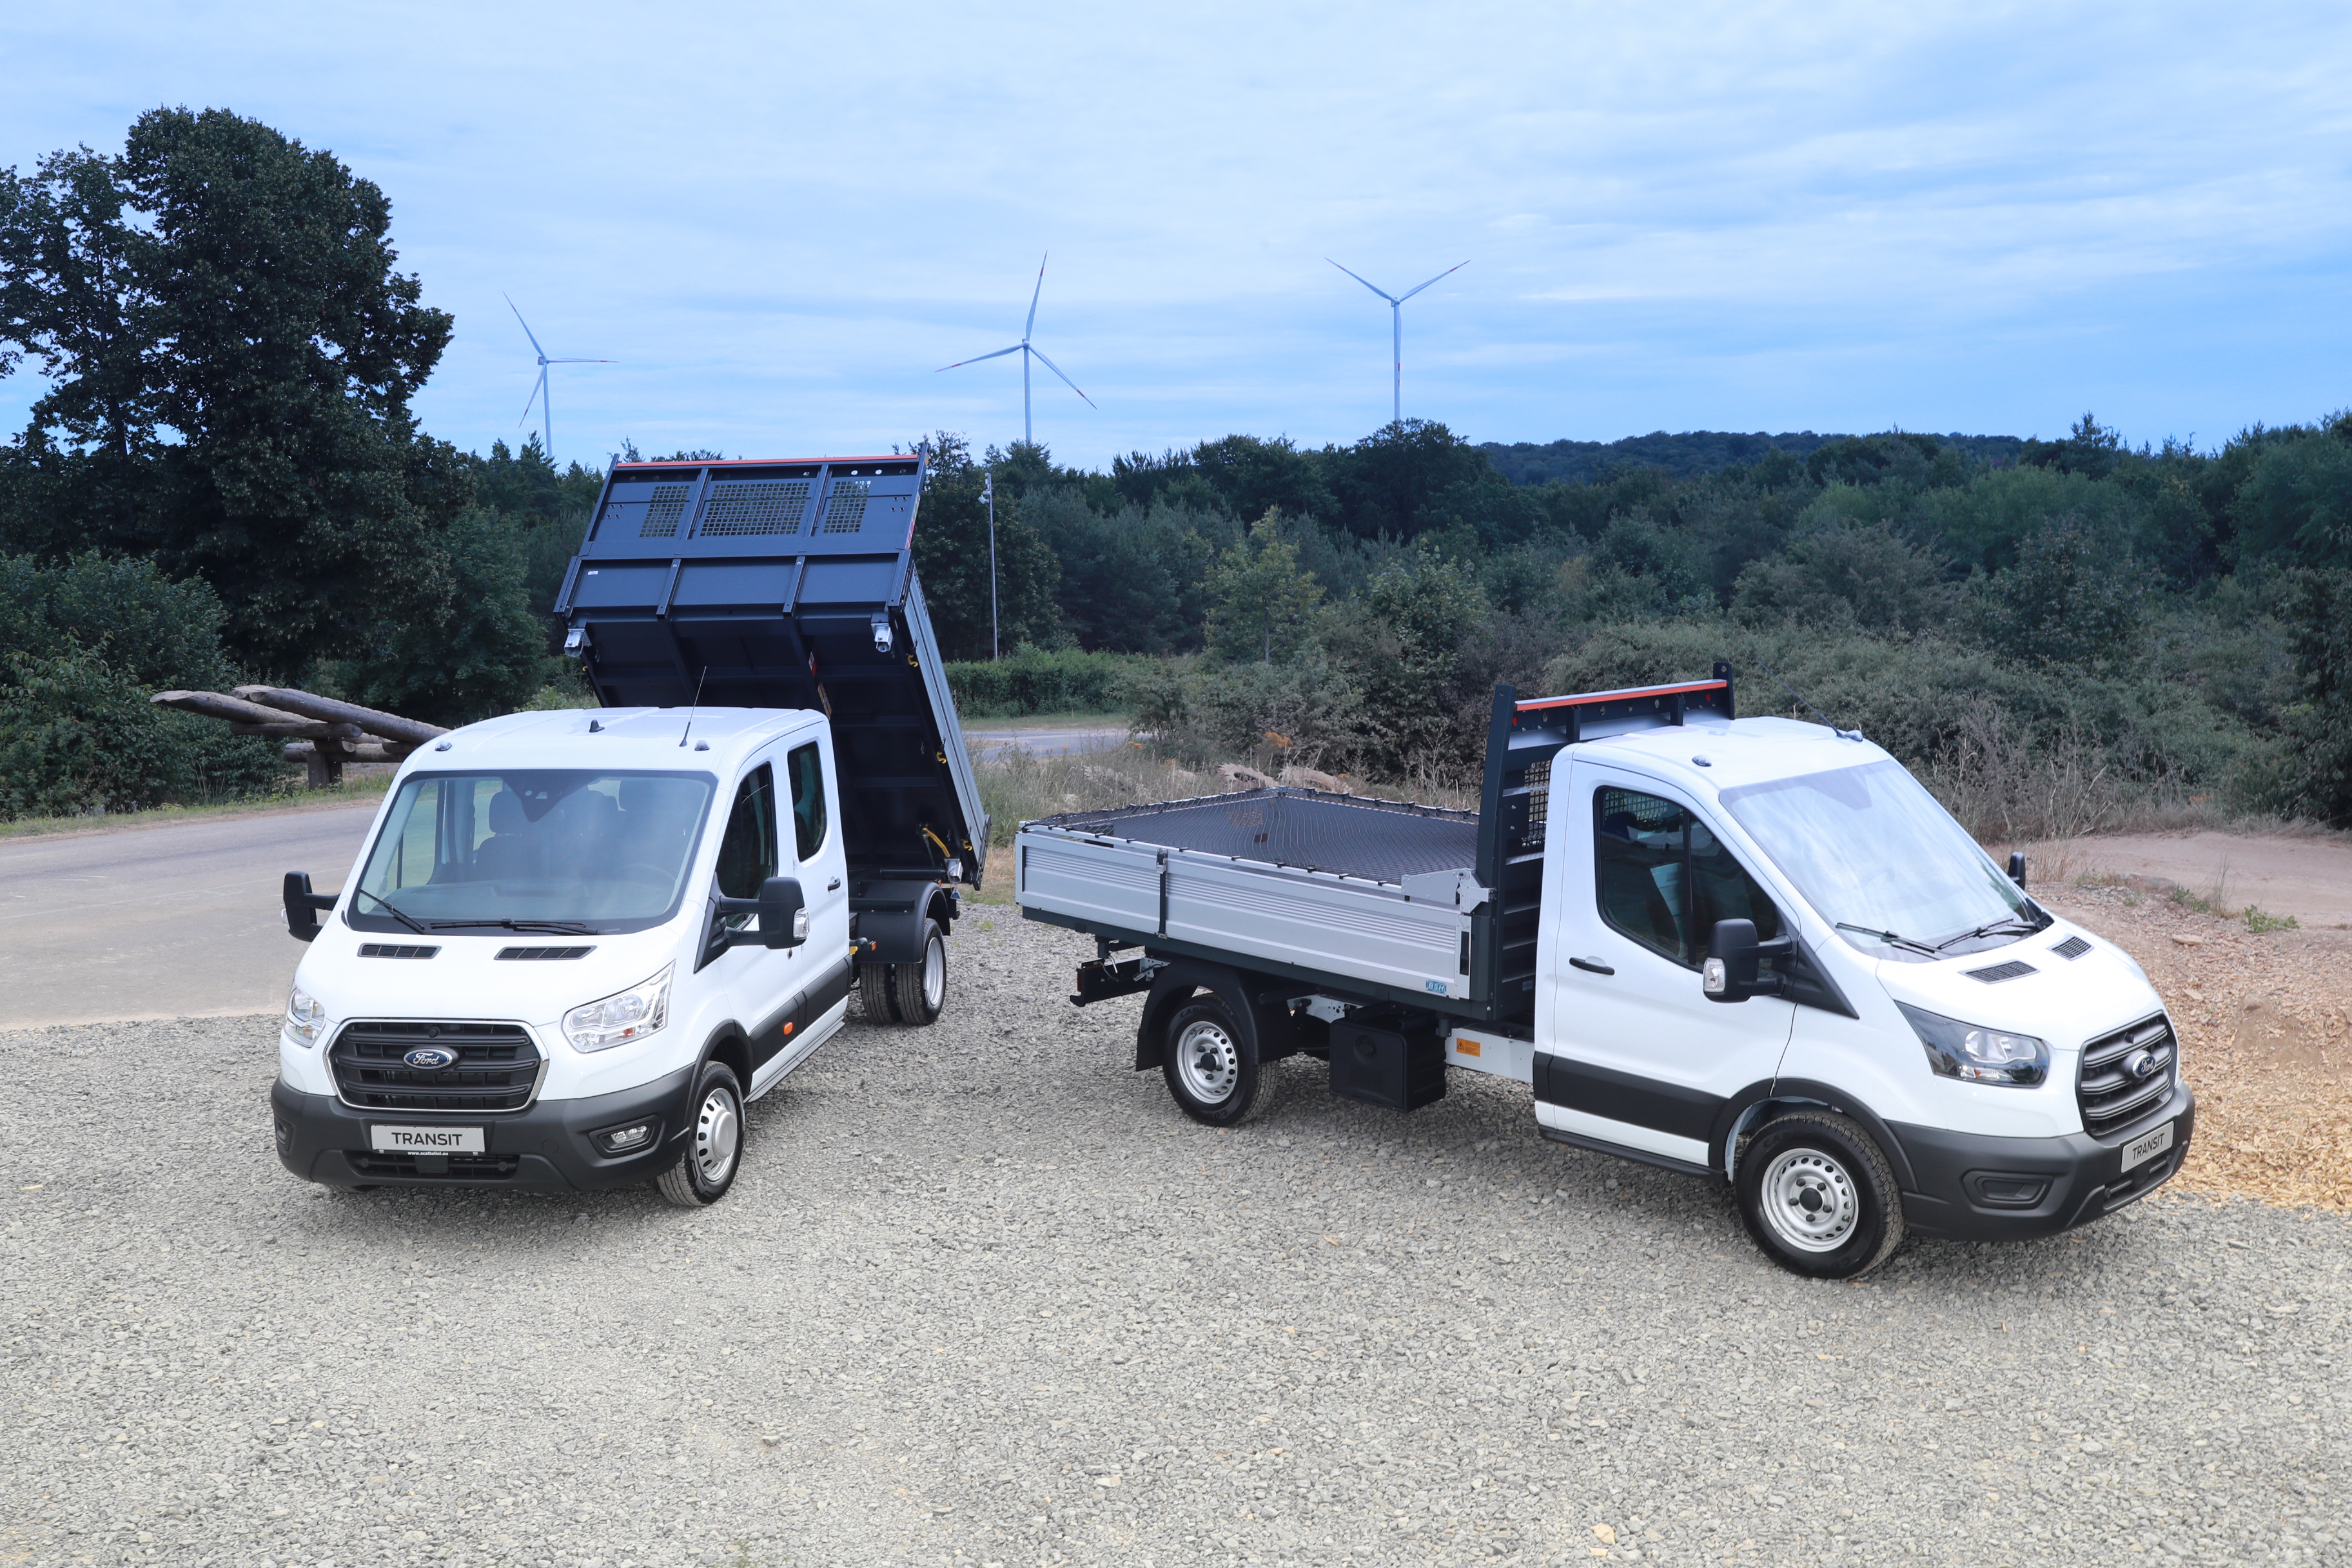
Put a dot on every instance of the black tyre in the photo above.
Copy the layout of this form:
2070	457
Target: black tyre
919	991
1211	1064
1819	1197
714	1141
873	988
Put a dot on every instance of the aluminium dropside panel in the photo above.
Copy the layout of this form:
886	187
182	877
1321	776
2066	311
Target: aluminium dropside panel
778	585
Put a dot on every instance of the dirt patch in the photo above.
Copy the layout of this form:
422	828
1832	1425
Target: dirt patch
2265	1025
2307	876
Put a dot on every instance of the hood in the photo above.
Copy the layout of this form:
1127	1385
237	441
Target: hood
466	978
2066	1002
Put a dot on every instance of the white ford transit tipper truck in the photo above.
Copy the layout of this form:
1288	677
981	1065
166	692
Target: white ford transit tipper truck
1747	948
575	945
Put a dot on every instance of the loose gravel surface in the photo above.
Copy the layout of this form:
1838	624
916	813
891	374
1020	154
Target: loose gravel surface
982	1296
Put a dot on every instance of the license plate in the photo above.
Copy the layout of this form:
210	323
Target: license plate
425	1139
2148	1146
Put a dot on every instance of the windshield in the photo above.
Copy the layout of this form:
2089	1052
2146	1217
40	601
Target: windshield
1869	846
573	849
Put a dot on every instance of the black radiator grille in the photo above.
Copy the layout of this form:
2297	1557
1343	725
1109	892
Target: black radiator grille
450	1167
2116	1085
496	1066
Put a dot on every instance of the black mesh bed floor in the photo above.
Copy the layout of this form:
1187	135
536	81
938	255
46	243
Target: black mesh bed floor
1377	840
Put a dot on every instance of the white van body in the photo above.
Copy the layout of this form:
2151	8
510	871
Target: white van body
761	1011
1989	1072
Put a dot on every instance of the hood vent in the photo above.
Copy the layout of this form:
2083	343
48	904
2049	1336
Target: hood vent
394	950
532	955
1998	973
2074	947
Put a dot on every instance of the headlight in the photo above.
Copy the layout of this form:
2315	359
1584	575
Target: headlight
630	1015
304	1016
1975	1054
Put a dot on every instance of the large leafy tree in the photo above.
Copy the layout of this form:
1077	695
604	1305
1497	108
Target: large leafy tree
231	354
951	554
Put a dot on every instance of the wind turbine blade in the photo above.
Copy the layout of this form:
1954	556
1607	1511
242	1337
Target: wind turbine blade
1381	292
526	326
1031	325
1419	287
977	358
584	362
1072	385
537	389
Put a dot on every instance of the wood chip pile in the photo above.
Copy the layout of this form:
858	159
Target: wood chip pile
2265	1025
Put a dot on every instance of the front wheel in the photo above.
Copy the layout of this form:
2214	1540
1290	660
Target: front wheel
714	1146
1819	1197
1212	1067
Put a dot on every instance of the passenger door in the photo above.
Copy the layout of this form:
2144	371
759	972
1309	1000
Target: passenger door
821	965
1631	1053
756	984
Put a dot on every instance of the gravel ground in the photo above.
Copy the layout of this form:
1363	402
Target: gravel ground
982	1296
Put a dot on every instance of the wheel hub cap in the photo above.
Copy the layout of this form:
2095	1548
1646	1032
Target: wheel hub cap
718	1132
1808	1200
1207	1061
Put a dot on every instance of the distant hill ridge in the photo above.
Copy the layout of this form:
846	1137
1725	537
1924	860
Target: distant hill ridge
1689	454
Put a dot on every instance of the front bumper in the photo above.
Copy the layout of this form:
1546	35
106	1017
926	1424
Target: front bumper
543	1148
1968	1187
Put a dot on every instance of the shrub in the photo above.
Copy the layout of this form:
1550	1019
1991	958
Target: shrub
79	736
1041	680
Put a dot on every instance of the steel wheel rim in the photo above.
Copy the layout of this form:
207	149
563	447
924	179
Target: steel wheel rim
934	973
1208	1062
1808	1200
718	1135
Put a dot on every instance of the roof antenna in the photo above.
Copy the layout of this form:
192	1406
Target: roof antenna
698	679
1840	735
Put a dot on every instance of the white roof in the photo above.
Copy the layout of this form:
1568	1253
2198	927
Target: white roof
1739	751
636	738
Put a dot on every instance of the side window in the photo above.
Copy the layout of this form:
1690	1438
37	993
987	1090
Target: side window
747	855
1663	878
805	768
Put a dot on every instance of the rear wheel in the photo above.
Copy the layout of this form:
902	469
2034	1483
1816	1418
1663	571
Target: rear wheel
714	1144
874	993
1211	1064
919	990
1819	1197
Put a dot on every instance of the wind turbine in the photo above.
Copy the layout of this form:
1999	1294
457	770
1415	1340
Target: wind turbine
539	391
1027	353
1396	324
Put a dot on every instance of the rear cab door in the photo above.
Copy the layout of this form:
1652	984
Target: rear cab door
1630	1053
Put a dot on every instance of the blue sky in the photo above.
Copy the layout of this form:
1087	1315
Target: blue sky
780	219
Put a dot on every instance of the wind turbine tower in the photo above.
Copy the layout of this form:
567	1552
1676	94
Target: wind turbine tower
1396	326
539	391
1028	351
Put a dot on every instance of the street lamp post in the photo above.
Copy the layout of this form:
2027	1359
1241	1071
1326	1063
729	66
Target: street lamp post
988	494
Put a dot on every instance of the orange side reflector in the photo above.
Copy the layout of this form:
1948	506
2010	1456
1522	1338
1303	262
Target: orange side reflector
1468	1048
788	1028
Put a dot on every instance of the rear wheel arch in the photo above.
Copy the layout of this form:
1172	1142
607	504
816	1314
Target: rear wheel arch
1175	984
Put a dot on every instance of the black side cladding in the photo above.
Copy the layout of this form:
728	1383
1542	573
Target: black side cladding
783	585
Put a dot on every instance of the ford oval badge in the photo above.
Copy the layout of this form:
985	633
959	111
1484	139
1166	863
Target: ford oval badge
431	1058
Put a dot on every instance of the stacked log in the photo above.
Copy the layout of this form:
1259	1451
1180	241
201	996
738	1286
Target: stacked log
321	732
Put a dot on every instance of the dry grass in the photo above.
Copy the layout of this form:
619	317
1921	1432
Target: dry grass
2265	1025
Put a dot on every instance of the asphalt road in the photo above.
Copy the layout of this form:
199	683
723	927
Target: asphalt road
177	920
982	1297
1044	742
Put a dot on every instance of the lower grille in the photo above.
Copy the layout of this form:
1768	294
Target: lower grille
496	1066
448	1167
2126	1075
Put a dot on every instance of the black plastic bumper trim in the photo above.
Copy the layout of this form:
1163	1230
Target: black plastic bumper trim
2084	1175
317	1133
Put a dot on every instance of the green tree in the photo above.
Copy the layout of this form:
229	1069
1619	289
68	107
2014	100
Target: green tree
231	356
2320	615
2069	598
951	555
1401	647
1263	603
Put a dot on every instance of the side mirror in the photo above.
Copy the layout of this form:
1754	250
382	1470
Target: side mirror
784	913
302	906
1729	972
2017	869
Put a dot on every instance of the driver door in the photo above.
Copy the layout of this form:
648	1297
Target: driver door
1632	1055
756	982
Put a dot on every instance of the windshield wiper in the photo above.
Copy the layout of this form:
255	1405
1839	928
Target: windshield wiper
403	916
2016	923
552	928
1889	938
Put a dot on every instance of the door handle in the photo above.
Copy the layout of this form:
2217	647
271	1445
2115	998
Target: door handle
1590	966
834	886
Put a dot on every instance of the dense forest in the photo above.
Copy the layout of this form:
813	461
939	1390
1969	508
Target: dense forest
223	479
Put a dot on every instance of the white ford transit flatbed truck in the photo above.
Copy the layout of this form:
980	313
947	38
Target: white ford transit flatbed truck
1751	949
575	945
